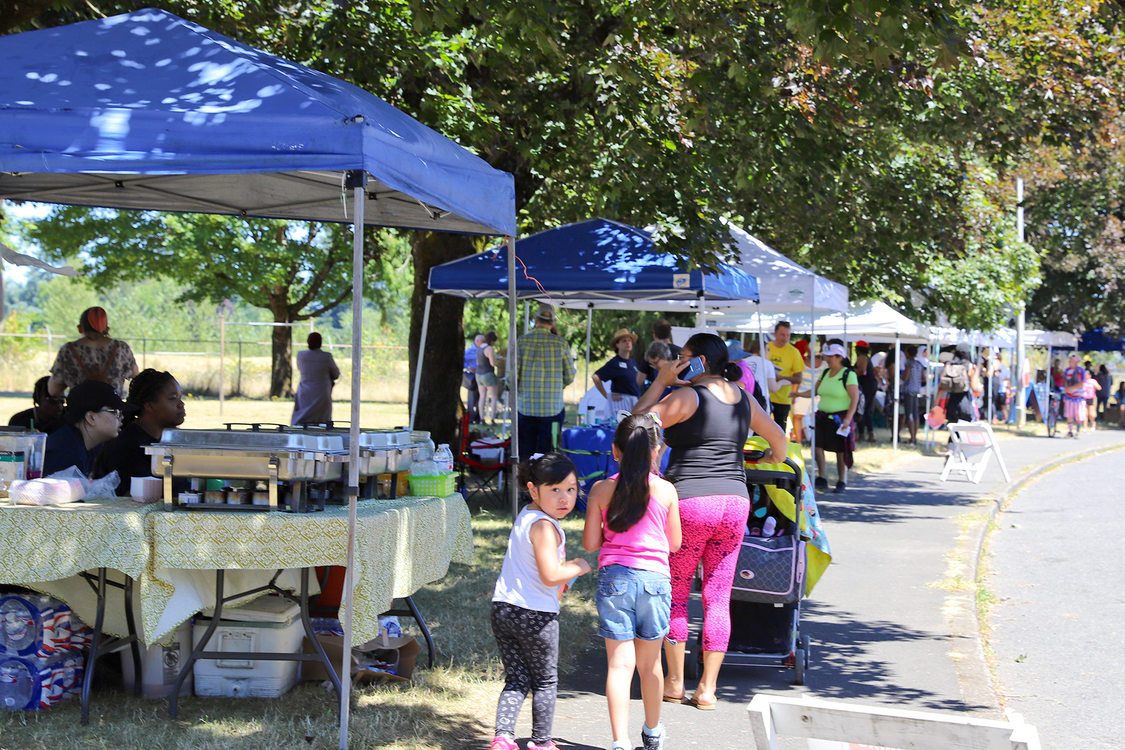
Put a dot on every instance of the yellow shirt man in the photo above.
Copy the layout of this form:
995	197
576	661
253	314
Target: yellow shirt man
789	362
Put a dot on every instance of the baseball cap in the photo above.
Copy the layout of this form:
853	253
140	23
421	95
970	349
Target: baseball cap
834	350
861	342
90	395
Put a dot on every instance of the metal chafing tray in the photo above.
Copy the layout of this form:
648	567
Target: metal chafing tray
381	451
270	457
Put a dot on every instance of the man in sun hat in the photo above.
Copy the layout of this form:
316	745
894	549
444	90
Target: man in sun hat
621	373
545	368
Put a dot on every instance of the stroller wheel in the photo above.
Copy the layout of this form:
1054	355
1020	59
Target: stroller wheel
801	661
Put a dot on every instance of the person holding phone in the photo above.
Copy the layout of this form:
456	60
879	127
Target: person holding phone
705	428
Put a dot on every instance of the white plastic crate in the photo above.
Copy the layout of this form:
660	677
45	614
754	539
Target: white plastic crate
268	624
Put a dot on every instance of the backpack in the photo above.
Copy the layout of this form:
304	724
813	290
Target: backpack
955	376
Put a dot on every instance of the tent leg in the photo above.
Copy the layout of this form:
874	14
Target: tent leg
898	392
762	352
421	358
589	326
357	181
812	400
513	377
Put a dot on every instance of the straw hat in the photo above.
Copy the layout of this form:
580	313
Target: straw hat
623	333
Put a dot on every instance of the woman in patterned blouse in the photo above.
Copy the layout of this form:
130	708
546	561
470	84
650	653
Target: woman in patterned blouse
95	356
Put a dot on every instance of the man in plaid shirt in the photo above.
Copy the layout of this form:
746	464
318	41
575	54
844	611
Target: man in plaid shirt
545	368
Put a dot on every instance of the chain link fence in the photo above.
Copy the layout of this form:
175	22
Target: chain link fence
243	362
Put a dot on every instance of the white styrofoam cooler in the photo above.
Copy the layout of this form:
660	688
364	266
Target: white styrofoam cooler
268	624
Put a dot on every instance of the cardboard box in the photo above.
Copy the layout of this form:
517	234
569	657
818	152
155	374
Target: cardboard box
406	653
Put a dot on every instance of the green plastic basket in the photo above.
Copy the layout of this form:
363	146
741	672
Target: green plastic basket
436	485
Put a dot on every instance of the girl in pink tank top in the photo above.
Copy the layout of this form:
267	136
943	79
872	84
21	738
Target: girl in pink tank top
633	518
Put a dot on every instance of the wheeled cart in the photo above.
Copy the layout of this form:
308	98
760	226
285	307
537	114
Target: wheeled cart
769	580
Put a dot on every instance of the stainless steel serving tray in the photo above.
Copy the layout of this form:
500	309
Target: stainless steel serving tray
240	454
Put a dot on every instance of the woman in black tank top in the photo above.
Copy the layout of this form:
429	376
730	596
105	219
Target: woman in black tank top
705	426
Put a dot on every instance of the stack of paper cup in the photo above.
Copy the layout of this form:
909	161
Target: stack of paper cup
146	489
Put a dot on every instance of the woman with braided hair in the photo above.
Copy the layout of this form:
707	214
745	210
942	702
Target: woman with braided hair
155	403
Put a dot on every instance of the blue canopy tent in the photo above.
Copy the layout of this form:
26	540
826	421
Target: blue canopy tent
1098	341
589	262
148	111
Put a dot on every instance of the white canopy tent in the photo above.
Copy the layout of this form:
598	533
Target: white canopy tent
872	321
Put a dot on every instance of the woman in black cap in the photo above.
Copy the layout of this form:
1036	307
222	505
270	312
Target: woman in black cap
155	403
92	417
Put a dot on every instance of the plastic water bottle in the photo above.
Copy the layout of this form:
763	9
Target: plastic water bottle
443	459
15	685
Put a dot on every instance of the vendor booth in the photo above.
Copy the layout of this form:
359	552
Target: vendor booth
591	264
149	111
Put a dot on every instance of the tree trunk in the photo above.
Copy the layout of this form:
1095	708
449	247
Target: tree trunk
281	369
439	407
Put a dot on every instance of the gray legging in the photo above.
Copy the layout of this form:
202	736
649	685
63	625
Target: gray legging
529	647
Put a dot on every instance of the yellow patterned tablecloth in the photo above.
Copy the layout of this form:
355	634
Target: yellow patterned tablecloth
401	545
46	547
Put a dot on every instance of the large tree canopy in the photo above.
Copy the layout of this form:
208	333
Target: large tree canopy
875	141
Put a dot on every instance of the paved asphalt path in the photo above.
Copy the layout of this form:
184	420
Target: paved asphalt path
879	622
1058	626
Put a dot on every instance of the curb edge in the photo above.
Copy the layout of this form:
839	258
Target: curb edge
978	688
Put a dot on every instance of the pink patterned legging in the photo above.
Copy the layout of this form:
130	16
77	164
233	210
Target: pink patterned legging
713	527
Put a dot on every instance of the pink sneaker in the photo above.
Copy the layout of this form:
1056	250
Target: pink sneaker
503	743
549	746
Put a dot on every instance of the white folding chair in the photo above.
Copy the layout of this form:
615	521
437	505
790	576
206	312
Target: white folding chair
971	445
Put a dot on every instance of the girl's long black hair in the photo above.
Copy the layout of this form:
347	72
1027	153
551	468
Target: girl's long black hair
144	389
550	468
636	437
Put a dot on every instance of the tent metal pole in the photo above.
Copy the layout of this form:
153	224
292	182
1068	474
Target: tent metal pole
812	396
589	326
701	315
356	180
762	352
1021	409
421	356
222	356
898	392
513	377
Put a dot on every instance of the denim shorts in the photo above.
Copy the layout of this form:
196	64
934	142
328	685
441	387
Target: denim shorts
633	603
